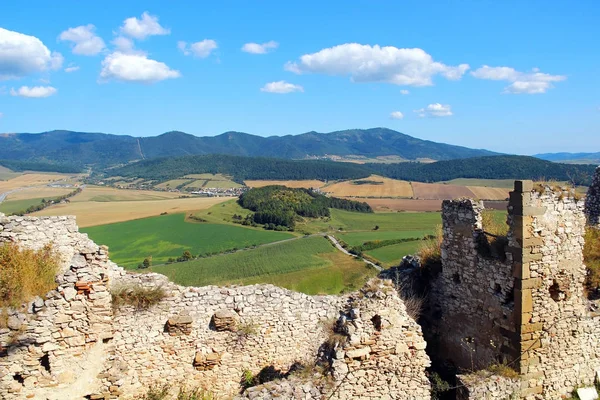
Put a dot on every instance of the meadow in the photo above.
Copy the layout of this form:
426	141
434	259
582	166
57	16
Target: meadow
14	206
390	256
169	236
309	265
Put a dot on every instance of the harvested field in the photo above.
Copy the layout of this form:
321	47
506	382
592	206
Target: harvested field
493	183
489	193
387	205
373	186
438	191
30	180
92	213
108	194
39	193
291	184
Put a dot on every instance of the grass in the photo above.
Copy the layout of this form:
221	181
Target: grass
391	255
141	298
14	206
310	265
170	235
358	238
25	273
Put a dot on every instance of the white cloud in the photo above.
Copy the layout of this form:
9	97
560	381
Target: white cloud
255	48
21	55
404	92
142	28
200	49
534	82
396	115
33	92
435	110
135	68
85	40
365	63
72	68
281	87
123	44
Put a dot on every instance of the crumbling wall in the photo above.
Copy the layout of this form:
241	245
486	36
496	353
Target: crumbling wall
74	343
471	299
484	385
592	201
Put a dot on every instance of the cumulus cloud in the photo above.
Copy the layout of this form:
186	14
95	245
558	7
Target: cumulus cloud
365	63
135	68
33	92
435	110
396	115
72	68
123	44
85	41
404	92
534	82
21	55
281	87
200	49
255	48
142	28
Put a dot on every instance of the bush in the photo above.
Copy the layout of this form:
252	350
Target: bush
141	298
26	273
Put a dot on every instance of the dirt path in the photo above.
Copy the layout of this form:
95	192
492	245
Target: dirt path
343	250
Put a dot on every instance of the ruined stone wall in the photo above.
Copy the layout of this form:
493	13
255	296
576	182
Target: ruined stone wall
560	337
75	344
471	298
487	386
592	201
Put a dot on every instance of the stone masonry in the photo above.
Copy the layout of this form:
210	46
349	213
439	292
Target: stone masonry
592	201
74	345
525	305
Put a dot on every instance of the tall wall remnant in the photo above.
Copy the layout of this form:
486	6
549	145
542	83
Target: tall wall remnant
592	201
76	344
526	306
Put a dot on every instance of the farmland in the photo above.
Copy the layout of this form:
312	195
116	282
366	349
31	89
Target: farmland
108	194
307	184
373	186
168	236
391	255
310	265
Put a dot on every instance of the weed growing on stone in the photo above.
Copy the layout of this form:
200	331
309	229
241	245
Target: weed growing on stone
141	298
503	370
247	328
26	273
156	392
430	252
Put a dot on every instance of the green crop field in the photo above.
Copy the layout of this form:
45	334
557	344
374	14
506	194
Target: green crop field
391	255
169	235
310	265
358	238
13	206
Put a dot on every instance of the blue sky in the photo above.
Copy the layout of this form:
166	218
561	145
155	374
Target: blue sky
511	76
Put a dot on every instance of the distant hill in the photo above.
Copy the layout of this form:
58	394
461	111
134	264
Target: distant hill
242	168
571	158
105	149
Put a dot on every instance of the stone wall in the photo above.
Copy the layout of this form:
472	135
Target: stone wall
75	345
592	201
487	386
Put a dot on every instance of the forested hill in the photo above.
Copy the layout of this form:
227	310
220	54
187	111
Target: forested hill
102	149
242	168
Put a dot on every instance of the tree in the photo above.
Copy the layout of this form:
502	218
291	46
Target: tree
376	228
147	262
187	255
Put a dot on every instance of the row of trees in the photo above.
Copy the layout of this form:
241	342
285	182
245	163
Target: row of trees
48	202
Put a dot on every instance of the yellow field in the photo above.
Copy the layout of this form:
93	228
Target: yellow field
489	193
291	184
391	205
107	194
39	192
30	180
173	183
387	188
91	213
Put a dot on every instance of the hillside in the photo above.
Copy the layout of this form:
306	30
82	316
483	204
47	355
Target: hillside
106	149
252	168
571	158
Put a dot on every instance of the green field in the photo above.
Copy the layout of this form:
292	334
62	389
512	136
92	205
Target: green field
310	265
13	206
358	238
391	255
169	235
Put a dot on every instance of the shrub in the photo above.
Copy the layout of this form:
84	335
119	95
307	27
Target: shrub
161	392
141	298
503	370
156	392
26	273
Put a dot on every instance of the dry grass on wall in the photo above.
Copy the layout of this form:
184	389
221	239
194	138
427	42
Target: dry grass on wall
430	252
26	273
137	296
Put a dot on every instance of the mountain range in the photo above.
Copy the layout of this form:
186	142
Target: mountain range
571	158
83	148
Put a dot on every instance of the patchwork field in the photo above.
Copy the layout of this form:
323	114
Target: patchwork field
169	235
493	183
307	184
310	265
373	186
388	205
173	183
108	194
91	213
